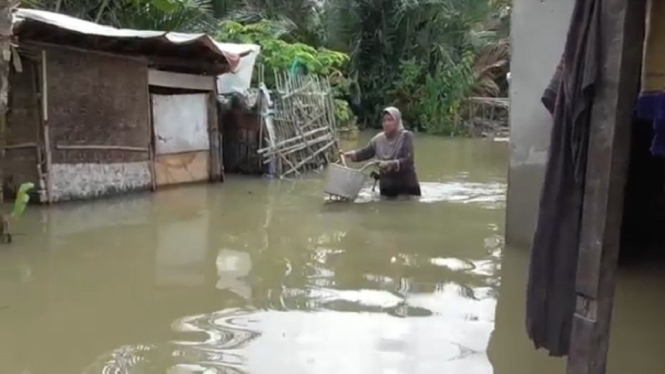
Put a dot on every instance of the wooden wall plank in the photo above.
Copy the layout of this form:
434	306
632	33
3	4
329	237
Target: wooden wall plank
216	174
179	80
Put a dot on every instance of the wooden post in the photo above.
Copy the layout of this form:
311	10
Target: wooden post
151	135
216	168
47	131
37	87
622	35
5	61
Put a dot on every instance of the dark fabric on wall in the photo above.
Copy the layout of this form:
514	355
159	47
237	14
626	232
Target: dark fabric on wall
644	201
552	271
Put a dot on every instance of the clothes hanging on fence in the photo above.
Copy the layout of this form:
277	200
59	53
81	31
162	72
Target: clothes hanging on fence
552	271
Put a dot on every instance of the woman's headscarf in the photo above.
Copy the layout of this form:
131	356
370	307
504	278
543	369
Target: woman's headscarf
387	148
397	116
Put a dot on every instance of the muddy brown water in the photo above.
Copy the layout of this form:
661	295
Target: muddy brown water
258	276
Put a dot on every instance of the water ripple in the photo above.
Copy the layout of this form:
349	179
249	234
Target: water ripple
490	195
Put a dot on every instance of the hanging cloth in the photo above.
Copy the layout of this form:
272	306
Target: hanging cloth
552	271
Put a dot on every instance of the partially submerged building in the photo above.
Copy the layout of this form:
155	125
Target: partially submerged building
623	184
95	110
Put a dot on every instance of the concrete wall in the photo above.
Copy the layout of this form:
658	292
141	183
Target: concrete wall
539	29
92	180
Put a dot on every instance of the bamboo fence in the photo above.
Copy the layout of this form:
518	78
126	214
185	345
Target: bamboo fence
298	129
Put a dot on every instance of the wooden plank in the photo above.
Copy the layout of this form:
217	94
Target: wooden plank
291	140
622	23
188	65
20	145
311	157
45	86
46	128
179	80
101	147
297	147
182	168
151	137
215	145
39	128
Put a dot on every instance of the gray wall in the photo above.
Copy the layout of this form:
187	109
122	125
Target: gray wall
539	30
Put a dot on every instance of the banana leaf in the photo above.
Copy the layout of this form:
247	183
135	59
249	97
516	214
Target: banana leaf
22	199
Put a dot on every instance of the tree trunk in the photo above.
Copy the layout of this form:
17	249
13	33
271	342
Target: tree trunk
5	60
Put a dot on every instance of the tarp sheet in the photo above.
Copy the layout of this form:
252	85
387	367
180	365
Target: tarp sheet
239	80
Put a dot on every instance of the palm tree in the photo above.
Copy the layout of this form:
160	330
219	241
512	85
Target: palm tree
180	15
424	55
166	15
398	46
299	19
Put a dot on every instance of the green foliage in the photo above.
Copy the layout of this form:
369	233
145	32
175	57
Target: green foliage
278	54
164	15
433	100
343	114
423	56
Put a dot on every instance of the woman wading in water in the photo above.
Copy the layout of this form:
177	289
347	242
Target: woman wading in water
393	148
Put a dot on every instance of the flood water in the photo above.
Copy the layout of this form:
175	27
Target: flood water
259	276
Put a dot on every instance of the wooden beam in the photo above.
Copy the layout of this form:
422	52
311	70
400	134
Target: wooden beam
179	80
188	65
20	145
622	25
101	147
151	137
215	165
46	127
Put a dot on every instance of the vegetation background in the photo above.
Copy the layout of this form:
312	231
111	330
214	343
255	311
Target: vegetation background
423	56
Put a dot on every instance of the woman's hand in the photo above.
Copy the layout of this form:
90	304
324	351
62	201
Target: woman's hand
346	155
386	165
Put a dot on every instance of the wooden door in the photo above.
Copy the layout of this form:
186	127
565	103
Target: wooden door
181	138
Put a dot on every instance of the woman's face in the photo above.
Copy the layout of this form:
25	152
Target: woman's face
389	123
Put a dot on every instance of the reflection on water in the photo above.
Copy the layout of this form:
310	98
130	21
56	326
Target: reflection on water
232	266
259	276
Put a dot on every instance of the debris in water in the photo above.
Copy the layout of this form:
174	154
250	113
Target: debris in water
20	203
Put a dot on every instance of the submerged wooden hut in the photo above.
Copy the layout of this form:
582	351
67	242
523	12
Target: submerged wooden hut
95	110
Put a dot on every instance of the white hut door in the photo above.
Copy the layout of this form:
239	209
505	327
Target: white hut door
182	144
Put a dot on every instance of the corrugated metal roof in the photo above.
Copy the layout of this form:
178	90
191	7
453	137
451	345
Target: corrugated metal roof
229	51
